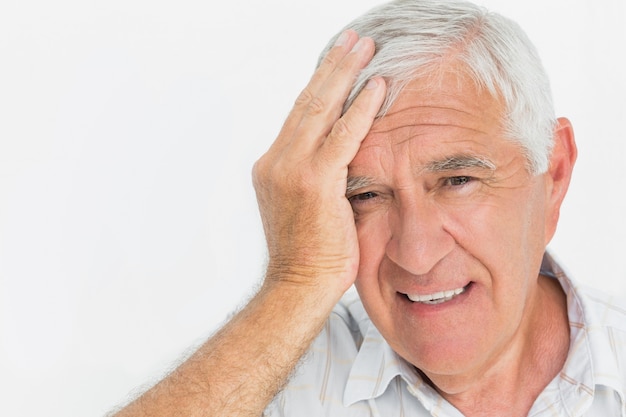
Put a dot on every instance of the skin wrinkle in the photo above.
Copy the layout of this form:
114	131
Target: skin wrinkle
391	114
451	163
426	121
423	125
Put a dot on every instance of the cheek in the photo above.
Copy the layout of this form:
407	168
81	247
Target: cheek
510	229
476	227
503	223
489	233
373	234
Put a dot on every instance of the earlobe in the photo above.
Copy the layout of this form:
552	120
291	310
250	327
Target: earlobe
559	173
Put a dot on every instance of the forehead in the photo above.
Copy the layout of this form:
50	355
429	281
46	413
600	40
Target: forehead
436	119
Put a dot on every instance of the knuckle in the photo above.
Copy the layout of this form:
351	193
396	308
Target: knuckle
256	169
342	129
329	60
272	175
261	171
316	106
304	98
256	178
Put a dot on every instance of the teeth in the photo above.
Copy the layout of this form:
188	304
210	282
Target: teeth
436	298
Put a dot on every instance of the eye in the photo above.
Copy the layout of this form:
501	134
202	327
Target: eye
362	197
457	181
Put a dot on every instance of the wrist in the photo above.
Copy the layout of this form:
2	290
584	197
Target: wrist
301	295
324	282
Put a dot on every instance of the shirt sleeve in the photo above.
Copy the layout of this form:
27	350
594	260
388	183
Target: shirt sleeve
274	409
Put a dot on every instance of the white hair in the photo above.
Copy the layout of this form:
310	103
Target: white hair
413	36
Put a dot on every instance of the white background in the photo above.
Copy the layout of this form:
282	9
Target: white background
128	225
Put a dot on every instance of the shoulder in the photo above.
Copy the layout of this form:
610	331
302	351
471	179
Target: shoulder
602	310
604	324
588	307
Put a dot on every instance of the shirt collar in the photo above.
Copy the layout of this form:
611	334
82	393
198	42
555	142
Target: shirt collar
375	365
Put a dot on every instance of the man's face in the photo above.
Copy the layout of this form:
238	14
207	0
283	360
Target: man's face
452	229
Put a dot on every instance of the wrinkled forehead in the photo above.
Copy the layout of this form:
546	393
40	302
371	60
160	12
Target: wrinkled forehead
435	123
448	97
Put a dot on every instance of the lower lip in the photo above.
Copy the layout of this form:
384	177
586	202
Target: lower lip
423	308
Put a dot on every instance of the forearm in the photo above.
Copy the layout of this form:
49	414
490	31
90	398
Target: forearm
239	370
312	246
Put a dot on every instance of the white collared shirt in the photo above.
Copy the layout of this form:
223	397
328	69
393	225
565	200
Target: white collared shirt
350	370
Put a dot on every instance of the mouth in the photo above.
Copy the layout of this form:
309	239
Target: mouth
438	297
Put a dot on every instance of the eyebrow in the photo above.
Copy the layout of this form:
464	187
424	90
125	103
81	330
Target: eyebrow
461	161
451	163
354	183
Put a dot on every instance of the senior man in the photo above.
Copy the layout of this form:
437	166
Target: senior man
424	164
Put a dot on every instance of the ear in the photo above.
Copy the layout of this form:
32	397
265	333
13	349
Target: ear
559	173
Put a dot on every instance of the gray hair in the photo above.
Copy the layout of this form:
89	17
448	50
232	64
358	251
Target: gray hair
413	36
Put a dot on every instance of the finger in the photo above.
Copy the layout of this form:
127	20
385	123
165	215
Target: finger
325	108
347	134
343	45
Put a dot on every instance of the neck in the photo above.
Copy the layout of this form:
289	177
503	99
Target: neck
511	385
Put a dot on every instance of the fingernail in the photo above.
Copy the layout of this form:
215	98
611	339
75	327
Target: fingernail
358	45
342	39
371	84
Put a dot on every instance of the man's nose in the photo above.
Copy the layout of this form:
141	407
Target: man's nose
419	239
